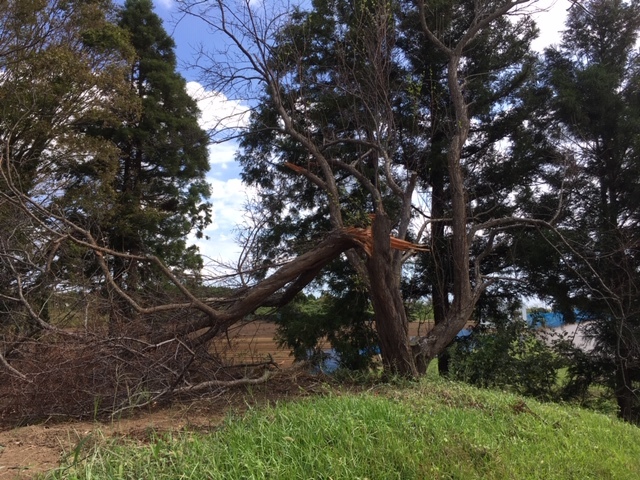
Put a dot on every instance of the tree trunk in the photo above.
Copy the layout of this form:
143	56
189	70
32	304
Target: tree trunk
389	313
464	297
626	397
440	252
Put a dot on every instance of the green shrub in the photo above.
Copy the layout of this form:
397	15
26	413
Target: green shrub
510	356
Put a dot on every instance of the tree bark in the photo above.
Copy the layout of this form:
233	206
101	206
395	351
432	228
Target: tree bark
626	397
388	306
464	297
440	252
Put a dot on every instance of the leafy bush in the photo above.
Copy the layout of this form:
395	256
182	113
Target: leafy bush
588	378
511	356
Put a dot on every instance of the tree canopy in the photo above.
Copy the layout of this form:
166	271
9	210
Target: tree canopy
364	109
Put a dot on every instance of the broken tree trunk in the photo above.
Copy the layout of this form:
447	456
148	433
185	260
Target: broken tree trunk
388	305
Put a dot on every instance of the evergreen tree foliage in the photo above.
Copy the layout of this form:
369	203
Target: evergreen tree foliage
296	212
498	65
62	66
341	316
160	183
590	265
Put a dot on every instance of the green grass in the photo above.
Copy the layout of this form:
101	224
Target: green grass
432	430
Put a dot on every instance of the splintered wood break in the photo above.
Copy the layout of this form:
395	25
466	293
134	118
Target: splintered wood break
295	168
364	238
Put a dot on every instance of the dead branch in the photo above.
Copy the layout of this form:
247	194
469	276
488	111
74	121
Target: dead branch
11	369
225	383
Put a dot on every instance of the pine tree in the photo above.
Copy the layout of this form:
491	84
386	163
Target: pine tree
160	184
498	65
591	265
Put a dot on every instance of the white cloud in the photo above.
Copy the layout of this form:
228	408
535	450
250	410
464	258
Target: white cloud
550	17
218	112
228	199
222	154
166	4
228	195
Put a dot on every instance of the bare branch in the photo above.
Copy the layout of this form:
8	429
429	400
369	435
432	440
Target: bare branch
225	383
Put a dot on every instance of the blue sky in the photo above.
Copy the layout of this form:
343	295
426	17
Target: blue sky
229	195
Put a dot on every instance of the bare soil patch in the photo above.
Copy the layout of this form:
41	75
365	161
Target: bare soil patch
254	341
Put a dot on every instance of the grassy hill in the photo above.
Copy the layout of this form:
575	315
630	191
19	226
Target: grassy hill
431	430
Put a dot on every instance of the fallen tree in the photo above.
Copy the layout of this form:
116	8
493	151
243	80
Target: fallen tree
68	368
356	106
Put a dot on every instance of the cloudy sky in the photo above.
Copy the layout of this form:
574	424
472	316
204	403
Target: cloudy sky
228	193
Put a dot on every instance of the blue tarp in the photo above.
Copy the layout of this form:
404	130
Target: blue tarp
548	319
551	319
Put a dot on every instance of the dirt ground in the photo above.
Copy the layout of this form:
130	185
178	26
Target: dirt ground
27	451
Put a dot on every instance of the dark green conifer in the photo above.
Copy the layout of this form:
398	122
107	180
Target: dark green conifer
368	81
160	184
589	266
